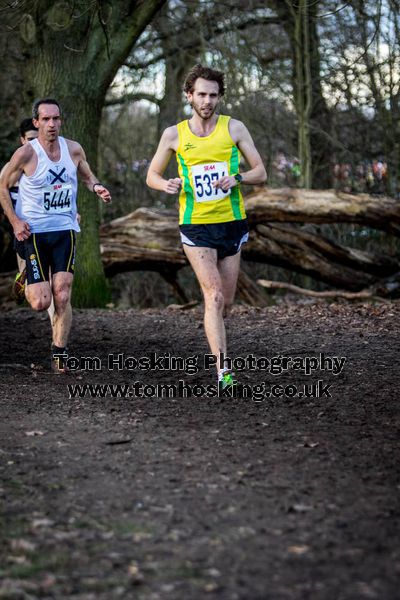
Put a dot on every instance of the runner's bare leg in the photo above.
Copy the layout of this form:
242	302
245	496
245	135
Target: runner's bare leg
229	268
39	295
62	318
217	279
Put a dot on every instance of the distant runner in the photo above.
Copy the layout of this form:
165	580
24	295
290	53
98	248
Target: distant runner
27	132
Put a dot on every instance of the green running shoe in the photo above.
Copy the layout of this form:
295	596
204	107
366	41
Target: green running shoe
227	385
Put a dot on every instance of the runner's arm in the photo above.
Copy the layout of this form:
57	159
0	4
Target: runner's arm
87	177
9	177
160	162
257	173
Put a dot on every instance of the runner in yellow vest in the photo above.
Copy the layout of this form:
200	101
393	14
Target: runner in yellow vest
212	219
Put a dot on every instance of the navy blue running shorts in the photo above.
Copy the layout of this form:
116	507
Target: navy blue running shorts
225	238
53	250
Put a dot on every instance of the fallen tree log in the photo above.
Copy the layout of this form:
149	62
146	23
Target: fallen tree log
146	239
323	206
281	285
149	239
316	256
248	291
389	288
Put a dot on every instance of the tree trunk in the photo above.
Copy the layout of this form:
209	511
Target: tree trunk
12	110
387	112
85	127
299	19
73	56
303	88
177	61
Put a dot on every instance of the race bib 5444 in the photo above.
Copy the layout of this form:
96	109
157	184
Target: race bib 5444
57	198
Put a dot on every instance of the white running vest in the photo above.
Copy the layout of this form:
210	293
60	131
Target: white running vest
47	199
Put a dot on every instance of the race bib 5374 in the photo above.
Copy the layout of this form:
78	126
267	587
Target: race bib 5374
203	178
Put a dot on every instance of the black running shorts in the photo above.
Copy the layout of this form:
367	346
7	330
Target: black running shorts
19	248
53	250
225	238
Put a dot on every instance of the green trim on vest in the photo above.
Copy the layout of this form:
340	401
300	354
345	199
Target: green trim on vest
235	198
187	216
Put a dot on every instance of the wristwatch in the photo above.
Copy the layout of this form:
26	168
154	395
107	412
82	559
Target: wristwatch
238	177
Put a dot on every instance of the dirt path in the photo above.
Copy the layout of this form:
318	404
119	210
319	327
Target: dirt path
168	498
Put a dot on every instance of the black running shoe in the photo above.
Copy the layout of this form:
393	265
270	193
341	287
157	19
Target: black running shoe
59	359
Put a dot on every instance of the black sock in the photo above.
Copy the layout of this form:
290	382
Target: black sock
57	350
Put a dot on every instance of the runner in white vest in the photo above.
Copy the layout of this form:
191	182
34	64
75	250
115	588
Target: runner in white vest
45	216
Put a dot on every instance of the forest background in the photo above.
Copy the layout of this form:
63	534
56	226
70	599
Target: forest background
317	82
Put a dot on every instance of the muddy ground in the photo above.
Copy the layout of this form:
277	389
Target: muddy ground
228	498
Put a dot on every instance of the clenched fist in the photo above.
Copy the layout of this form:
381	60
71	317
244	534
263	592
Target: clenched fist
172	186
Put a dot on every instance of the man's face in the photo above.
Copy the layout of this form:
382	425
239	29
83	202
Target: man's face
204	98
29	136
48	122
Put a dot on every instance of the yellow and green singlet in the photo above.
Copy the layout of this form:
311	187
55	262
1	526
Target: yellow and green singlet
202	160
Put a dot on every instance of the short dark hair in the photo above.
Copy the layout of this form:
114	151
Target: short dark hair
37	103
205	73
25	126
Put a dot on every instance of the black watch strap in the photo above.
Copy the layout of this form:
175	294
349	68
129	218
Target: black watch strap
238	177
